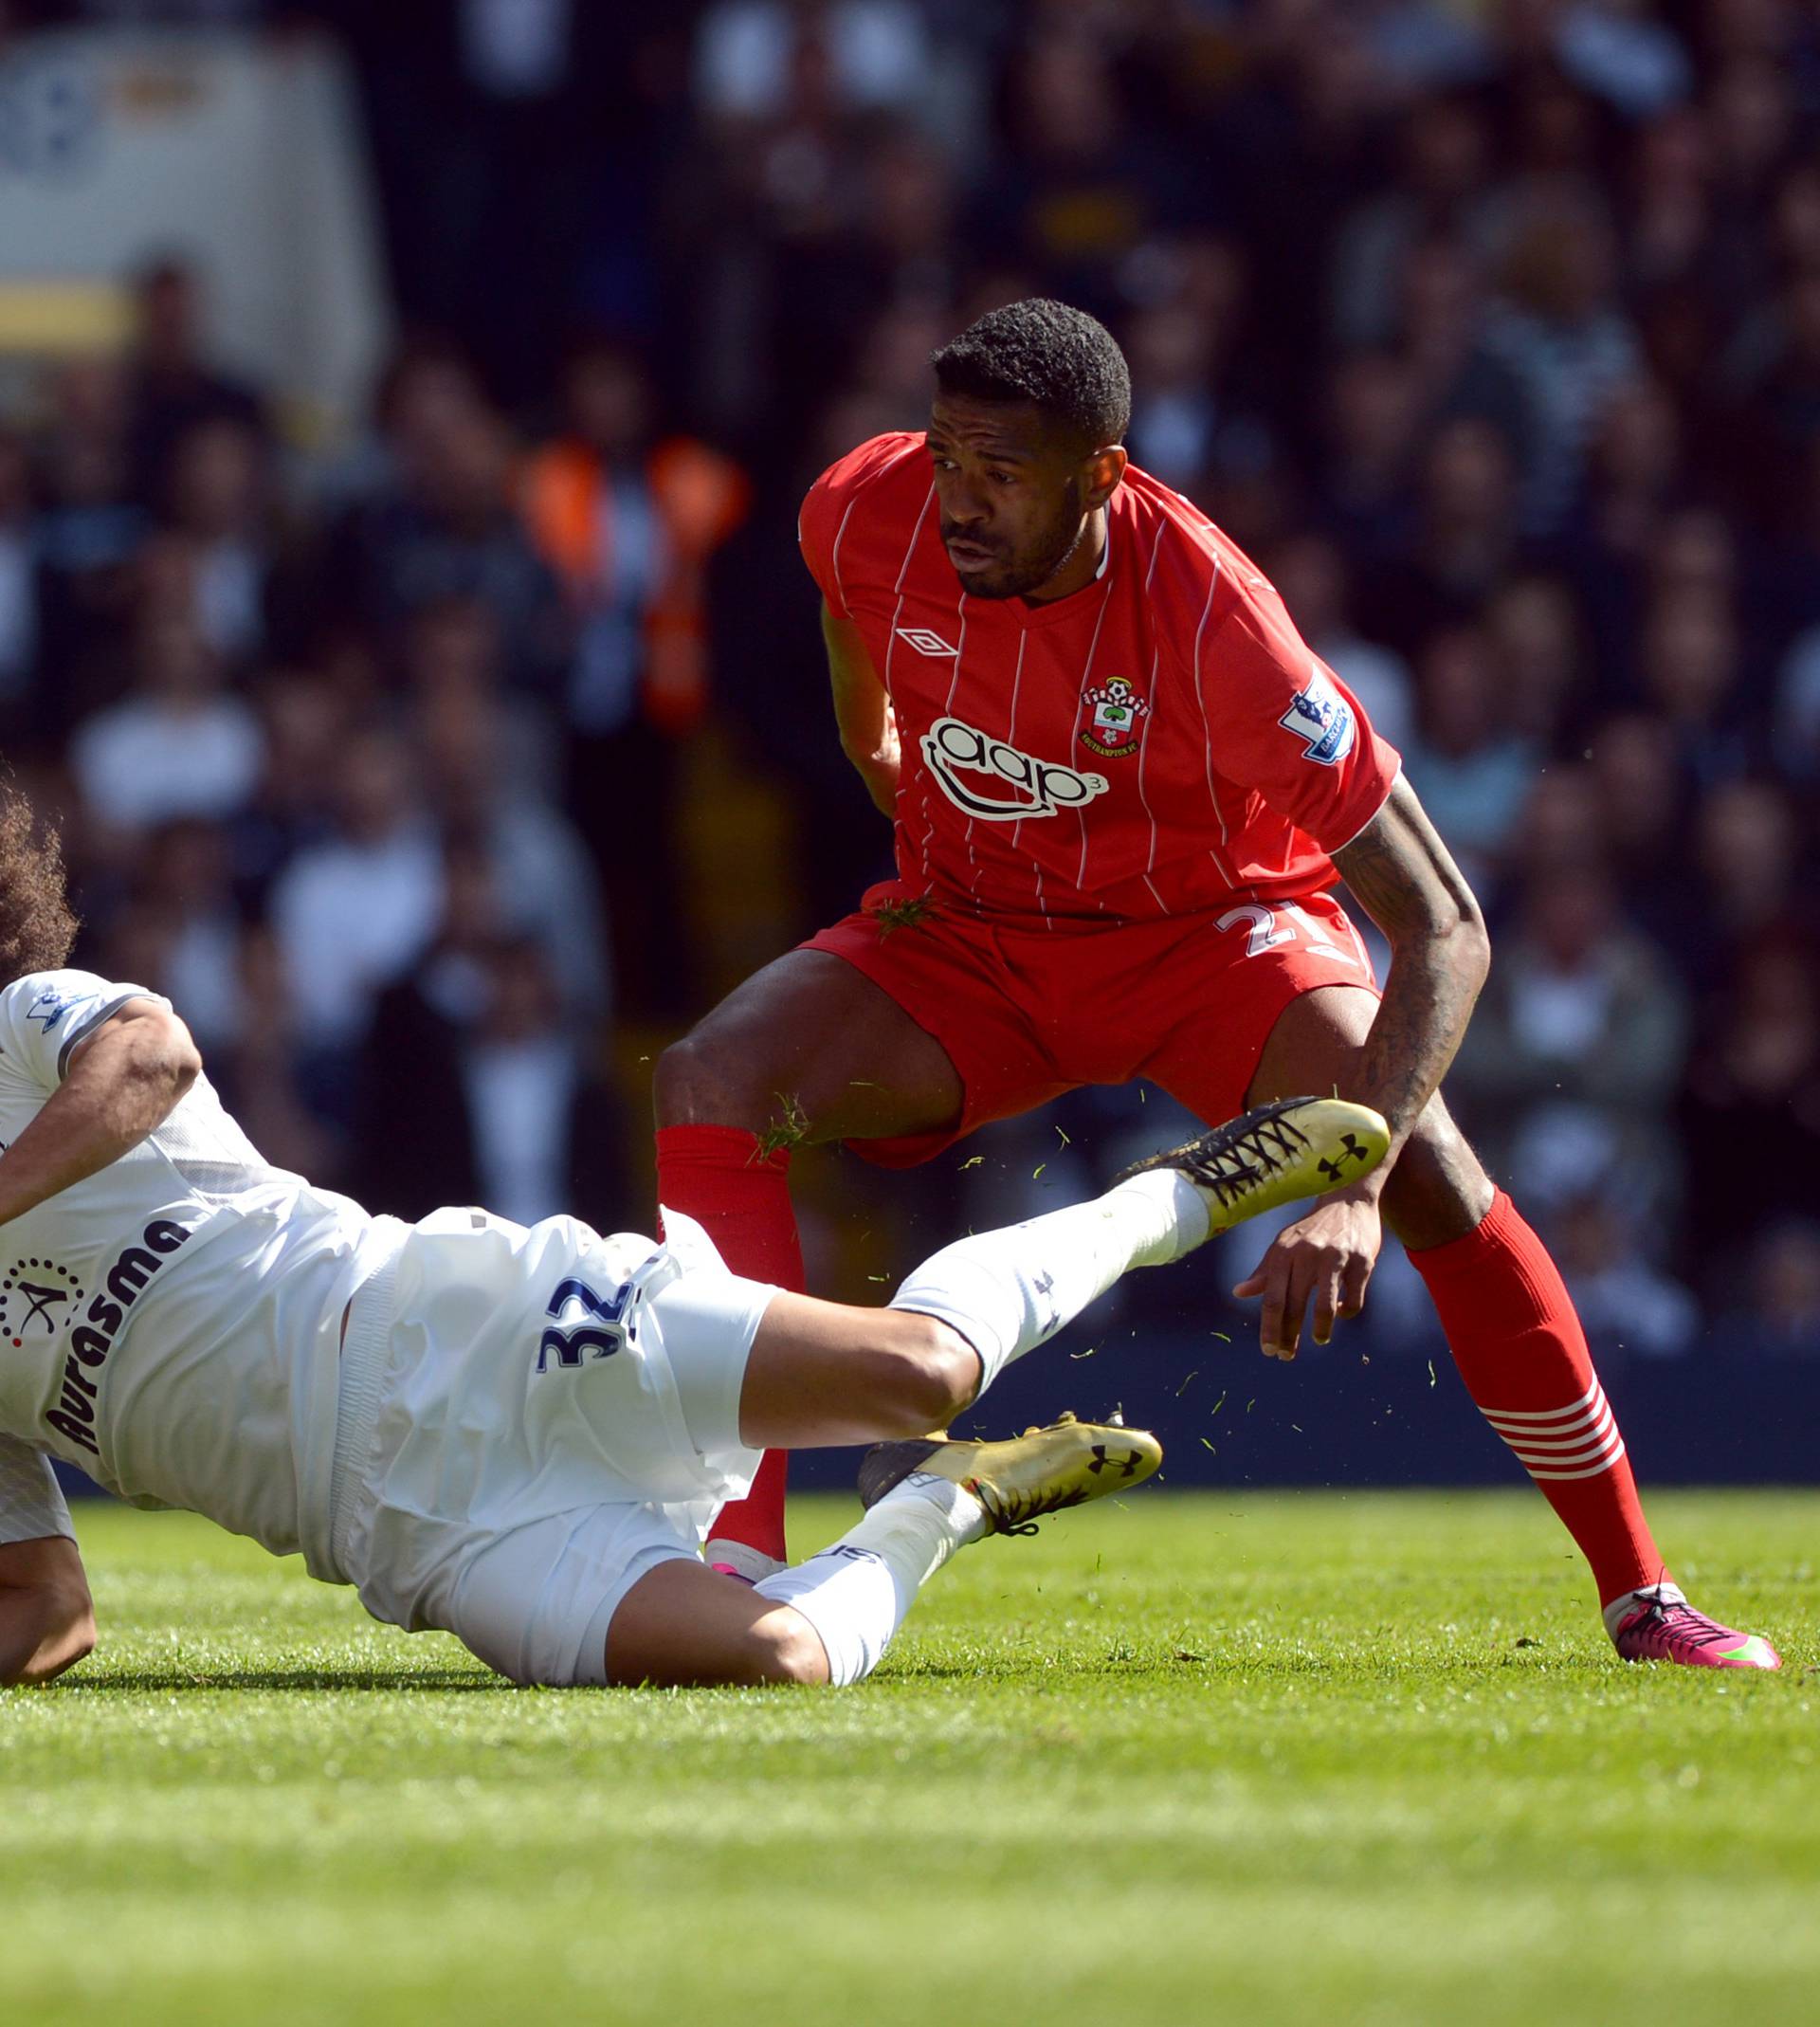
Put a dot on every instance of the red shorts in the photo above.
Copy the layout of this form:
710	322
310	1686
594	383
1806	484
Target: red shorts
1027	1012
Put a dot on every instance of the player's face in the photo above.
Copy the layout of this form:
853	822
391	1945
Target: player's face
1015	501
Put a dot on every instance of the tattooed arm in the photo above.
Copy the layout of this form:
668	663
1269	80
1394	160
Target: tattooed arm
1402	875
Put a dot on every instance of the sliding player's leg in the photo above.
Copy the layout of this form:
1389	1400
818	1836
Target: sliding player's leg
528	1504
807	1050
819	1373
618	1593
823	1374
816	1373
830	1619
1515	1338
762	1370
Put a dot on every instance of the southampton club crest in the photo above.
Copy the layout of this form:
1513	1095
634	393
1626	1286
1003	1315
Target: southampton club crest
1119	714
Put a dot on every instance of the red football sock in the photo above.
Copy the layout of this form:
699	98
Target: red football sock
1518	1342
741	1200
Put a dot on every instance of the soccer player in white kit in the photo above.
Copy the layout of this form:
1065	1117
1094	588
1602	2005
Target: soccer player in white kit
516	1435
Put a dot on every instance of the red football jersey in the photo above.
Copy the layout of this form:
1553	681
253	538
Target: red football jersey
1156	743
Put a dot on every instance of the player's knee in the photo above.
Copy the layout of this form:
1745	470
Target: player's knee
784	1647
1438	1190
928	1372
781	1646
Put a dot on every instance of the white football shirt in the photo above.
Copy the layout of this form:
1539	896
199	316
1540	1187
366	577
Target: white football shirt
172	1324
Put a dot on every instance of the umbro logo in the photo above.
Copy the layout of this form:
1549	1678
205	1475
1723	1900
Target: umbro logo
924	642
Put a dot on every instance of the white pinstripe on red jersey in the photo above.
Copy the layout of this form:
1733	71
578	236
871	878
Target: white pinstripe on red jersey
961	655
834	557
1011	730
903	571
1156	707
1200	691
1074	731
840	534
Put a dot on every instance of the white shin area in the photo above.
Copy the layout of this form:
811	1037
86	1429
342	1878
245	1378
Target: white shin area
856	1592
1009	1290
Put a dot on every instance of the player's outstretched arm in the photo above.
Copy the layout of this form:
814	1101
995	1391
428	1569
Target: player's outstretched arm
46	1617
122	1082
1405	879
862	710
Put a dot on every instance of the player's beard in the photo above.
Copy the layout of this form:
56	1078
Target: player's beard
1021	576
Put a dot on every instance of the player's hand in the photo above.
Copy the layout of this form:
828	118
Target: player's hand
1327	1256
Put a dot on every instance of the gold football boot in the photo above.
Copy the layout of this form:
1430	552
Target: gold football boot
1040	1472
1276	1154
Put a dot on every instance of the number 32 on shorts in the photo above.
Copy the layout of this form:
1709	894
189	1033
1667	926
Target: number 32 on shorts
604	1336
1266	928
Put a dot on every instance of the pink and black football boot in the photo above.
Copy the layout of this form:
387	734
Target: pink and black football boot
1660	1625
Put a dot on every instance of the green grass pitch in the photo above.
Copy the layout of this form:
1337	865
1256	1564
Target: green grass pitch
1298	1758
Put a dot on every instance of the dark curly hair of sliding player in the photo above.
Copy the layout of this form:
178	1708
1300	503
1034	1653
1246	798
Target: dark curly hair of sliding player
1067	363
37	924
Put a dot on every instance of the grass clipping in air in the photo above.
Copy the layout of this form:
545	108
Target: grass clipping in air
1178	1759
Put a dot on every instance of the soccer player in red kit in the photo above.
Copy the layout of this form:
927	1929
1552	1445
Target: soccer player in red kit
1122	789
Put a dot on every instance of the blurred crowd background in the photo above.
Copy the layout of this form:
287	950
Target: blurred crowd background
442	763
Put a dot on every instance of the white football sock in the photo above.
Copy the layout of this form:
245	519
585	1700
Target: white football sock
727	1551
1007	1291
855	1593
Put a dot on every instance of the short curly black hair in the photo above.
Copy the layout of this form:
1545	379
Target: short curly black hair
1067	363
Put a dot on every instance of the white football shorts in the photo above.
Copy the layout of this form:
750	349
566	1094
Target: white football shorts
529	1421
